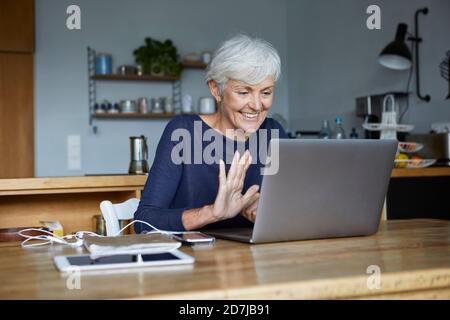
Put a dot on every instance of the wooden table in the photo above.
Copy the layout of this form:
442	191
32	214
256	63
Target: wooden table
413	257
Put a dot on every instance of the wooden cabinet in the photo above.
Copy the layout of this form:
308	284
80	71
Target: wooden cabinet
419	193
16	115
16	88
17	25
73	201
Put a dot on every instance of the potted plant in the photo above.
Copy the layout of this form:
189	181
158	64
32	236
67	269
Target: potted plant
158	58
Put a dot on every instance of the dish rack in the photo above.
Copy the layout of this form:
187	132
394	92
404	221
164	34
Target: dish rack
382	126
388	126
411	148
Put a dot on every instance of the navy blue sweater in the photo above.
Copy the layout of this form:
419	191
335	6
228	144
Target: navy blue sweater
175	186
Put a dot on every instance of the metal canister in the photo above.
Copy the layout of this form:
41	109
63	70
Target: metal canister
143	105
140	71
168	105
157	106
128	106
139	155
99	225
103	63
122	224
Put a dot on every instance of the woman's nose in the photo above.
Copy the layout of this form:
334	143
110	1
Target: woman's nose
256	103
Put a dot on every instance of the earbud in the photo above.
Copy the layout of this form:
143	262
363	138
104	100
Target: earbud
79	235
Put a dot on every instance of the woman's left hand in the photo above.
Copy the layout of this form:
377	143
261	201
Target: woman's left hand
250	211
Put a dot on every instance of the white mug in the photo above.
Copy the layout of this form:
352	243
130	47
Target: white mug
207	105
168	104
186	104
206	57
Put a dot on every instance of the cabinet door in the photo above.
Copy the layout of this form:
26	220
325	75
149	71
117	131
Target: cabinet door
17	25
16	115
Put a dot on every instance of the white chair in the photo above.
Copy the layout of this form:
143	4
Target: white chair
112	213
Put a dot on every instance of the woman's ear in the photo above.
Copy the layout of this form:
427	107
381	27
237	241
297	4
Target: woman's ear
215	91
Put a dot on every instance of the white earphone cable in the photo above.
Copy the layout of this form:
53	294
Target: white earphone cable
49	238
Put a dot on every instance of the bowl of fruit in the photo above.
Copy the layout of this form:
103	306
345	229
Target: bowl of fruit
404	160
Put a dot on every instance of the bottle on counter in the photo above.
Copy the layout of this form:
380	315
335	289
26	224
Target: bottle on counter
339	132
353	134
325	131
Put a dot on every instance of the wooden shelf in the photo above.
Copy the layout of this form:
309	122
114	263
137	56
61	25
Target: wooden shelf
133	115
193	65
131	77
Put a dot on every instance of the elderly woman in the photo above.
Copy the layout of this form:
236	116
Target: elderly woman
193	194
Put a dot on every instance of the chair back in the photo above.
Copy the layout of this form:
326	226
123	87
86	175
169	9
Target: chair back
112	213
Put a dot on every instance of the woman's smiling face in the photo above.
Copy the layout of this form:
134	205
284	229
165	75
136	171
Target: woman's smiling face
245	106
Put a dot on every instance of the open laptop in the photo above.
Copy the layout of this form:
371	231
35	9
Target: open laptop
323	189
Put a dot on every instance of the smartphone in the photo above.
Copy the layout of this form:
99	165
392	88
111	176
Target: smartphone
84	262
193	237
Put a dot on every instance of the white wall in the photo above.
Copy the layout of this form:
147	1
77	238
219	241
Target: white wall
118	27
332	59
329	58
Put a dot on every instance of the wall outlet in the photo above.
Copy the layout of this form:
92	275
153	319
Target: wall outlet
74	152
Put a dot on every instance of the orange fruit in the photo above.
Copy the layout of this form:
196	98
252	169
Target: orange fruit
416	160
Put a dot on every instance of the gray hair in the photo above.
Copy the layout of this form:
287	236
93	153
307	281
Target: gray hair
246	59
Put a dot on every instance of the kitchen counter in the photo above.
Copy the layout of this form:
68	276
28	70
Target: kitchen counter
74	201
421	172
71	184
411	256
71	200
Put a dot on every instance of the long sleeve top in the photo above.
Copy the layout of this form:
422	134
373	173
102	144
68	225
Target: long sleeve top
185	171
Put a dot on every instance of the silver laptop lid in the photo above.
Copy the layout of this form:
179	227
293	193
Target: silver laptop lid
323	189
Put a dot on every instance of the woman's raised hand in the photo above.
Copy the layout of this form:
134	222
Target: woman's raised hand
250	212
230	200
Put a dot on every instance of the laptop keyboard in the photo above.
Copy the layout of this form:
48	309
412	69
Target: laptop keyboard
240	232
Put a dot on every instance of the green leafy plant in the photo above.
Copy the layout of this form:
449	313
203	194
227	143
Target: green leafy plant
158	58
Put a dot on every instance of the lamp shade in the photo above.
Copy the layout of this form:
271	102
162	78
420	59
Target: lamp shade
396	55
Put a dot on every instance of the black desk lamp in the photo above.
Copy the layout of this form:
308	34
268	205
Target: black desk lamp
445	71
397	56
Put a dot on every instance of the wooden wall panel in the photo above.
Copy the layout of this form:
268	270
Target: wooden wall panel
17	25
16	115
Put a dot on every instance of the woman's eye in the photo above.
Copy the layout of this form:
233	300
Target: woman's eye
267	93
243	93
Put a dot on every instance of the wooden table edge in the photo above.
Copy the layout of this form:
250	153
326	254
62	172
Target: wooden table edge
333	288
